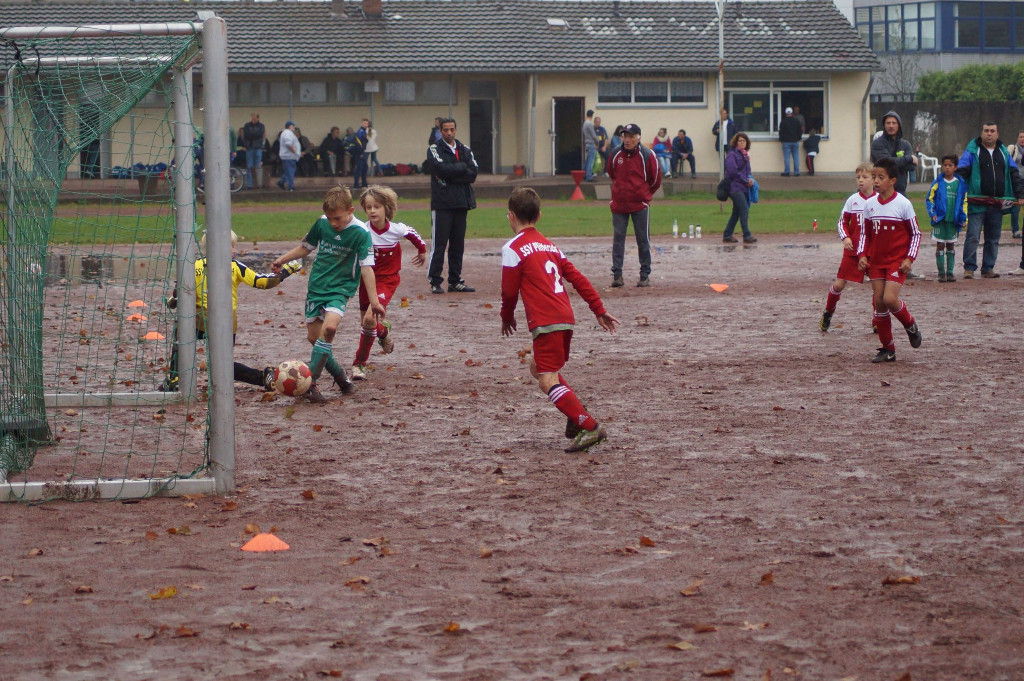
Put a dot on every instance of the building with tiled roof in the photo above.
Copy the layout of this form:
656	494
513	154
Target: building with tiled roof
518	75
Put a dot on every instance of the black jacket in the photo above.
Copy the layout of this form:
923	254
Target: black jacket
790	129
896	148
451	176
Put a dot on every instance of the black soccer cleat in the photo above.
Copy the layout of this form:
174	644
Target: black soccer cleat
914	334
884	356
825	321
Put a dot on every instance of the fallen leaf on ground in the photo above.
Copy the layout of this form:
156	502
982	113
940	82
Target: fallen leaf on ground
308	494
151	536
238	625
747	626
725	671
252	528
682	645
701	628
485	552
452	628
83	589
317	428
767	578
183	530
229	506
904	579
693	589
357	583
27	601
351	560
330	672
184	632
166	592
646	541
35	552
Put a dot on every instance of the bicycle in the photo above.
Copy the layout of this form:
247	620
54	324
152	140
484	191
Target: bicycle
237	179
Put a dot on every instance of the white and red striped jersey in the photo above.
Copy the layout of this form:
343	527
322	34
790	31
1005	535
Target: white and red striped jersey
890	231
534	267
387	247
850	218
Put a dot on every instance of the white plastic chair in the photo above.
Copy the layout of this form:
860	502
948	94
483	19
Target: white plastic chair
925	165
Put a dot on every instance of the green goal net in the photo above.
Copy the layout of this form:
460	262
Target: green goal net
91	246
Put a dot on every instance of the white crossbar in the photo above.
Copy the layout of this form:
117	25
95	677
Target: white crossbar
98	30
105	489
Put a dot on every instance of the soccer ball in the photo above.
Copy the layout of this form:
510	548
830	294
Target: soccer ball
292	378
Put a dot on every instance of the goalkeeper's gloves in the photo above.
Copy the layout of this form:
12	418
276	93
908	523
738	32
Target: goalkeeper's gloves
290	268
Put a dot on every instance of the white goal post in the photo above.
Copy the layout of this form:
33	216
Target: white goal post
221	434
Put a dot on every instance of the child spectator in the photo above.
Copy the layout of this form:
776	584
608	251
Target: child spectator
887	249
344	256
849	228
239	273
533	266
947	208
380	204
811	149
662	148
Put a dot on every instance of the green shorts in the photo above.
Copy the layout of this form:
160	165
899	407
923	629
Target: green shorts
318	307
944	232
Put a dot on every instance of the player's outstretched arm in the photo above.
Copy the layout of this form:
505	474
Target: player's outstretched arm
607	322
296	253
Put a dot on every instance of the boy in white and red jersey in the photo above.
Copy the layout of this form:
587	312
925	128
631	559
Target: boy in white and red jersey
849	228
381	204
534	267
887	249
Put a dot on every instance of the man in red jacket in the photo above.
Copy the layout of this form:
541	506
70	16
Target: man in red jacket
635	177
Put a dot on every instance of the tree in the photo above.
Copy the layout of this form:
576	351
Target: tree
902	70
978	83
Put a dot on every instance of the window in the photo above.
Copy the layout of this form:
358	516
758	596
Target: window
757	107
898	28
313	92
349	92
650	92
275	92
417	92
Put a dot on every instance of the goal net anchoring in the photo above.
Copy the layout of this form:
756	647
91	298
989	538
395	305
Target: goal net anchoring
98	228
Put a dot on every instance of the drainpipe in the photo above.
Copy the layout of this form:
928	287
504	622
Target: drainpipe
865	113
532	134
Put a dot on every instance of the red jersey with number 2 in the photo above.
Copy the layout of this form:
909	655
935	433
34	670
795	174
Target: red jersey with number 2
534	267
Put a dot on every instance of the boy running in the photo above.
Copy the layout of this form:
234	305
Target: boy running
849	233
887	249
533	266
344	256
380	204
947	208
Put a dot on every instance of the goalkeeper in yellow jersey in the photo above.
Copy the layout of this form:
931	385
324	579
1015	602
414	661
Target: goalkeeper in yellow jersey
239	274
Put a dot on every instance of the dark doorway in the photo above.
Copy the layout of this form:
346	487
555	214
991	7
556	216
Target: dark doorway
567	129
481	133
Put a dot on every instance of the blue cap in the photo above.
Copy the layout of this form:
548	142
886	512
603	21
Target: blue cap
289	124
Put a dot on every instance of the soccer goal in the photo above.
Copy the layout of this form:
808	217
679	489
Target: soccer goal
98	232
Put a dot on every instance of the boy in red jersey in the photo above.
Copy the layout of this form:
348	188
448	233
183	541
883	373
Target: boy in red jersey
381	204
849	233
533	266
888	247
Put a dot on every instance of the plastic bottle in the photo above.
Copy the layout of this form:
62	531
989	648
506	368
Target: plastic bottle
691	231
698	230
675	229
815	225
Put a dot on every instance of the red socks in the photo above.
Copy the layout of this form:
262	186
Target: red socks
366	339
884	323
833	299
904	316
565	401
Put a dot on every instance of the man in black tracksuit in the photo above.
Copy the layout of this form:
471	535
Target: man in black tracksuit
452	171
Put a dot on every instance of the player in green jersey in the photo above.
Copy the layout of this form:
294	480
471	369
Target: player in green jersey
344	256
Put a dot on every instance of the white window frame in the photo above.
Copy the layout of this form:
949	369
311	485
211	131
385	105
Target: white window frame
668	82
414	92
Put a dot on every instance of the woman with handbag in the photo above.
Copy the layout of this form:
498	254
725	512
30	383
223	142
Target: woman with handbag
737	171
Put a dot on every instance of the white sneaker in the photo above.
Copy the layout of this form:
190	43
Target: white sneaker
358	372
1019	272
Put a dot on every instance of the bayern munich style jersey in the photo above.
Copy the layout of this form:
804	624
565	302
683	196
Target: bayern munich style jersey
890	231
534	267
387	247
850	218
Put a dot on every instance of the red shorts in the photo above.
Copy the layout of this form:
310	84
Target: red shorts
889	273
385	290
848	270
551	351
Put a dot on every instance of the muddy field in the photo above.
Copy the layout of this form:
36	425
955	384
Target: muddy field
770	505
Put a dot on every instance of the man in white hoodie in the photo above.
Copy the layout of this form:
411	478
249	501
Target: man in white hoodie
289	151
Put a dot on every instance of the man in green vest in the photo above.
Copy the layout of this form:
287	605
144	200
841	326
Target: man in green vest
994	185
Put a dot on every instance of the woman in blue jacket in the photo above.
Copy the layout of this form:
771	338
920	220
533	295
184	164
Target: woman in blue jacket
737	171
